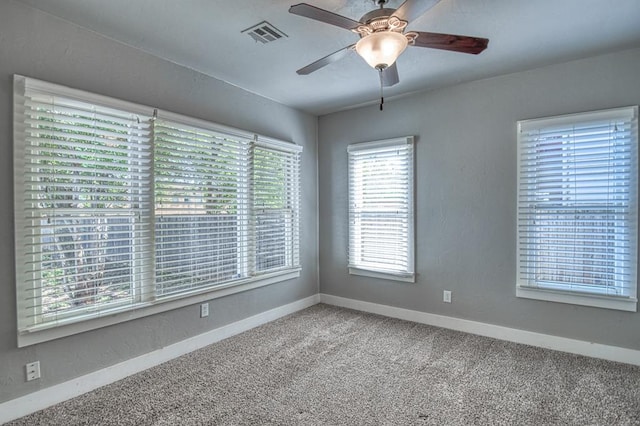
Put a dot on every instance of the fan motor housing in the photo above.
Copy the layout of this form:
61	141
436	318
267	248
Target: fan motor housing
375	14
380	20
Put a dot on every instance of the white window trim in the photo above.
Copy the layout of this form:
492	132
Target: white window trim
81	324
94	320
621	303
409	276
394	276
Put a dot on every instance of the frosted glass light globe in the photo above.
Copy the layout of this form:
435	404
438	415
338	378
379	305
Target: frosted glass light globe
381	49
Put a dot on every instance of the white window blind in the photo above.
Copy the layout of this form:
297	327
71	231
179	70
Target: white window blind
577	208
201	206
82	203
276	206
121	209
381	212
226	206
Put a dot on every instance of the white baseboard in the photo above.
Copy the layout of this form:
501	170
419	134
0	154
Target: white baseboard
44	398
563	344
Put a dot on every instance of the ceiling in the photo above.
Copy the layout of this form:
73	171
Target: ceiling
206	35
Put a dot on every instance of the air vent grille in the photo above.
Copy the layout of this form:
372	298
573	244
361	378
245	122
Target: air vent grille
264	32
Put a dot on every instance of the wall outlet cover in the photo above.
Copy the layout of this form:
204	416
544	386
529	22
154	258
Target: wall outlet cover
33	370
204	310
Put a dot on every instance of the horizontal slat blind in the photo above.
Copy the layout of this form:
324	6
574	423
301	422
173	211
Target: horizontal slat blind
577	203
83	228
201	207
114	213
381	206
276	207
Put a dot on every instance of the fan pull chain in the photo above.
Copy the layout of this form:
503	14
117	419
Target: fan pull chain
381	88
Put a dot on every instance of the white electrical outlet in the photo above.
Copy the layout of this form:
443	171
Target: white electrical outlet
204	310
33	370
446	296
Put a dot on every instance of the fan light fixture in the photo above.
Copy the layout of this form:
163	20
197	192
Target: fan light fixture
381	49
383	37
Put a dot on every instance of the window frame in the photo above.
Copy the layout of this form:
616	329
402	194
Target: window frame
555	292
358	268
101	317
291	207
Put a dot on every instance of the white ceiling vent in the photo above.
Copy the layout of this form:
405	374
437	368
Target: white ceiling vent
264	32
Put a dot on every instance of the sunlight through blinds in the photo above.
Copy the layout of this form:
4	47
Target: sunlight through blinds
276	206
577	203
119	207
84	229
381	206
201	206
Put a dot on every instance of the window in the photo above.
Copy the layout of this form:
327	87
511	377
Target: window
577	208
381	221
275	208
117	209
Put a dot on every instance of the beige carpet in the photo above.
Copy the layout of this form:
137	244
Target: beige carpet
333	366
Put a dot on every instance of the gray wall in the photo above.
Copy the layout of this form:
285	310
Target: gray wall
38	45
466	194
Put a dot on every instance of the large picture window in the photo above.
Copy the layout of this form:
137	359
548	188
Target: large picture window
118	208
577	208
381	221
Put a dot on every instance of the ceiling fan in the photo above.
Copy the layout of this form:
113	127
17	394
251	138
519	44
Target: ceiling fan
383	37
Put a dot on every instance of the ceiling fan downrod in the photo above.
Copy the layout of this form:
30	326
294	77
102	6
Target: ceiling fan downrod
381	3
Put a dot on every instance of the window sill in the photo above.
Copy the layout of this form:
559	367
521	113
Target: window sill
80	324
617	303
409	278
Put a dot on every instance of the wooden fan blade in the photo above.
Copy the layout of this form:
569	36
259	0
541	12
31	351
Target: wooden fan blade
390	76
322	15
339	54
412	9
455	43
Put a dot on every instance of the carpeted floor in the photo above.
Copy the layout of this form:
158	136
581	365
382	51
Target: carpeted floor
333	366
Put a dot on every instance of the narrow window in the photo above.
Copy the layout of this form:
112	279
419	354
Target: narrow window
276	206
381	212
